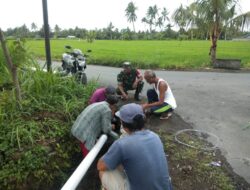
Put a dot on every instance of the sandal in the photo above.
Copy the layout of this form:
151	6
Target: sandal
166	116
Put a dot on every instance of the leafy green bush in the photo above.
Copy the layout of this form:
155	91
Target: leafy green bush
21	57
4	77
36	146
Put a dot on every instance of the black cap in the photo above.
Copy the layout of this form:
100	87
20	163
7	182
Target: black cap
110	90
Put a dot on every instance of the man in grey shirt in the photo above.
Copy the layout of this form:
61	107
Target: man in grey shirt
94	120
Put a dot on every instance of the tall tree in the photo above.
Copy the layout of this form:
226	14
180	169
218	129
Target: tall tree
150	18
180	17
130	13
242	20
164	14
57	29
159	22
145	20
216	13
162	18
23	31
191	14
151	14
110	30
33	26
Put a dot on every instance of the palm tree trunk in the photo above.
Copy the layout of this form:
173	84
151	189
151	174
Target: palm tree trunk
213	50
134	26
11	66
150	28
214	39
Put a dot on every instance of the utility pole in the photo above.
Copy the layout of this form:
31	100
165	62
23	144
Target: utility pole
46	34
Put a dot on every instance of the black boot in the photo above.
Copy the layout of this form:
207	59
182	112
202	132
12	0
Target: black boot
137	96
138	91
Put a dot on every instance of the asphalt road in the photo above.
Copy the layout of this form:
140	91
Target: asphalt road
216	102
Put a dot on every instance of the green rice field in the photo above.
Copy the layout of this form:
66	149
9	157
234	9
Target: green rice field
149	54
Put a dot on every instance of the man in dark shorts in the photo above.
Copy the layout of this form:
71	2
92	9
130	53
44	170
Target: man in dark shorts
160	99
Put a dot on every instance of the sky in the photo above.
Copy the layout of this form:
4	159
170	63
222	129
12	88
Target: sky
88	14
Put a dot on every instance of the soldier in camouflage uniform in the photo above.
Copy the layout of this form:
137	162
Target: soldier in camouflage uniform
129	79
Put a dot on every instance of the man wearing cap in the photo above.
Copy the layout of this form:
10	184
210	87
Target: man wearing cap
94	120
101	94
129	79
136	161
160	99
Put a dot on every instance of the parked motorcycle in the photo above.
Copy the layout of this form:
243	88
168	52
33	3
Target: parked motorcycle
74	64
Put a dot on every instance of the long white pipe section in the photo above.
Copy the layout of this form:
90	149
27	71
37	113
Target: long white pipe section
80	171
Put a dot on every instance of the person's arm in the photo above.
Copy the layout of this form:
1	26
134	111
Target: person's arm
101	165
163	87
111	159
139	75
106	122
138	78
124	95
120	85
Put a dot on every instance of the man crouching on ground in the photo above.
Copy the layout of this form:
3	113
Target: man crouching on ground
136	161
129	79
94	120
160	99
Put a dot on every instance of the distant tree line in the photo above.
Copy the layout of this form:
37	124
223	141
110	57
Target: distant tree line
112	33
203	19
108	33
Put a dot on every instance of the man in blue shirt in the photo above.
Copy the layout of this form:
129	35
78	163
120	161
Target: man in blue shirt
137	161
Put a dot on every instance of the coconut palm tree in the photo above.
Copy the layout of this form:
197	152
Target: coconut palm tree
159	22
110	30
57	29
192	18
145	20
215	14
33	26
164	14
243	20
162	19
150	18
180	17
130	13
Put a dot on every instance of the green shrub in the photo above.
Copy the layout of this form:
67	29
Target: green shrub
36	146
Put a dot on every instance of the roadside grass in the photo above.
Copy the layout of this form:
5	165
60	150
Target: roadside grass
36	147
149	54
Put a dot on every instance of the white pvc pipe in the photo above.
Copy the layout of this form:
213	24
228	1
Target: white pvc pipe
80	171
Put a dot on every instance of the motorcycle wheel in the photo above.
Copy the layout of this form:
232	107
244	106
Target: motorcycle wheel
64	65
84	78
